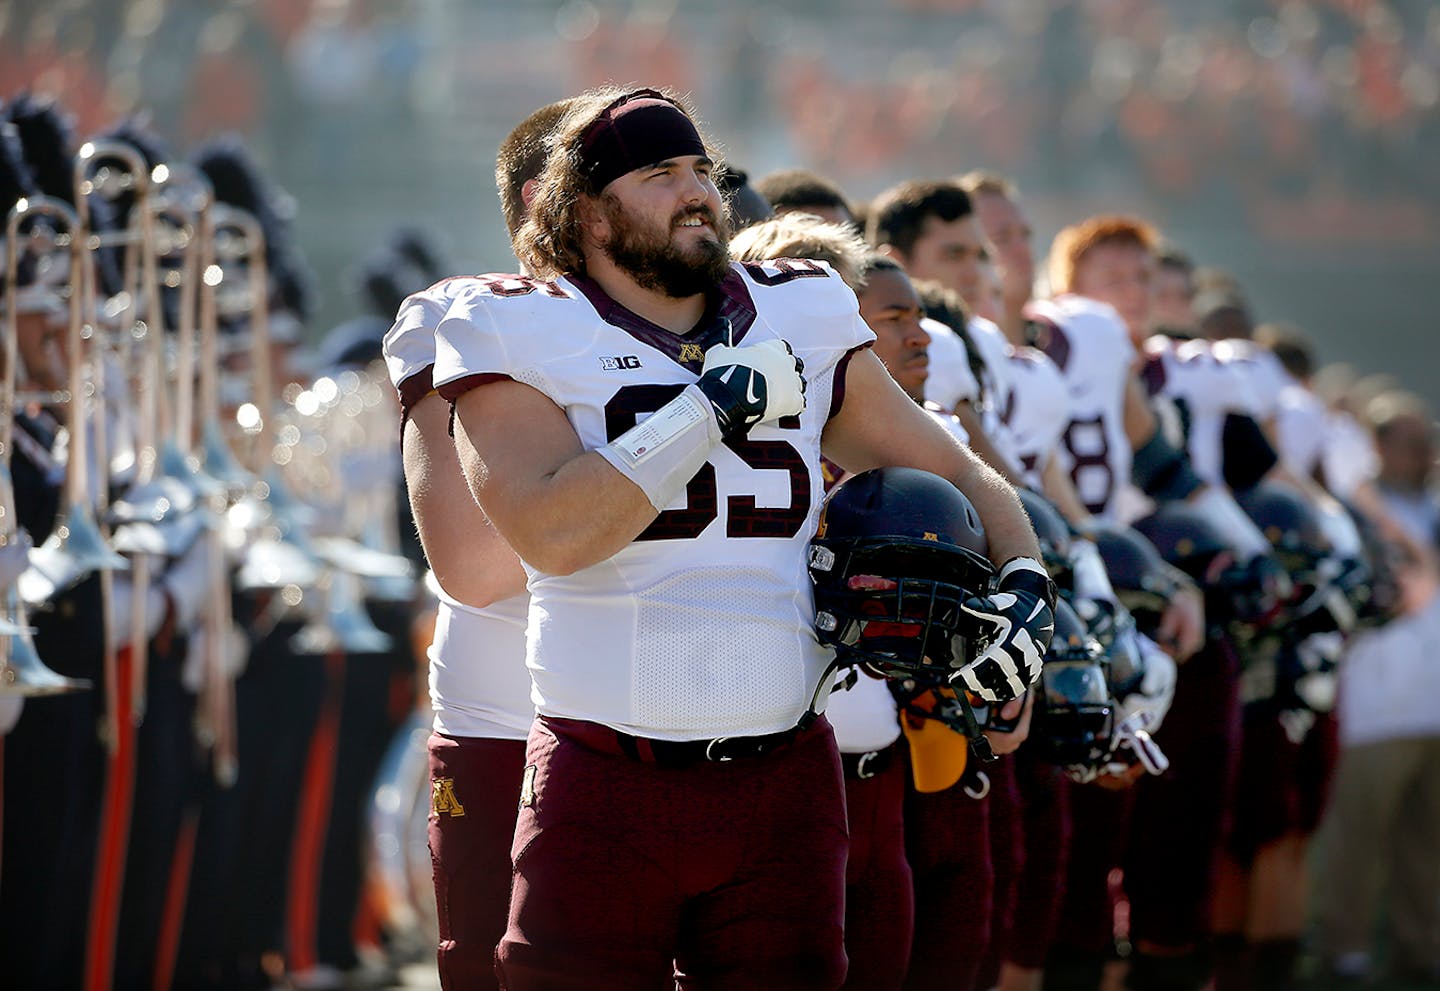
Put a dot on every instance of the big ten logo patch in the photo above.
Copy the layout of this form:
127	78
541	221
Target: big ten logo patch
443	800
613	364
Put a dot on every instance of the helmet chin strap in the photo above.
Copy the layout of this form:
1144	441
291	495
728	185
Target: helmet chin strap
811	713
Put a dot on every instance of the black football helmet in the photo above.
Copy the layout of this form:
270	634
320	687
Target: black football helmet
1053	534
1290	523
1143	581
1327	589
1187	540
896	553
1074	713
1239	599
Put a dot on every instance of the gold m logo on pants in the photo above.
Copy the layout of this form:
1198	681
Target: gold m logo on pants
443	800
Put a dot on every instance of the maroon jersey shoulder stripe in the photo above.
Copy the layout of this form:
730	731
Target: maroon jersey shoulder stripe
453	390
415	388
837	391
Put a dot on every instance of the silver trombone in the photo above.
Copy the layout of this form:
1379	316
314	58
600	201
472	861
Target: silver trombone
111	169
22	672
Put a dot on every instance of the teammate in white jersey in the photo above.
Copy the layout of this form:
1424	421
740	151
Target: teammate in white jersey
930	228
479	688
879	901
664	521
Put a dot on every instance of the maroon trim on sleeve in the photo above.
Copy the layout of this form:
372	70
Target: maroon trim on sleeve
453	390
1154	374
416	388
837	391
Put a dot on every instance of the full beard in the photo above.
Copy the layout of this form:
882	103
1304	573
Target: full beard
656	263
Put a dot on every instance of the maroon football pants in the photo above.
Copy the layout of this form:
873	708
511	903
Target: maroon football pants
633	876
475	787
1043	814
1181	817
879	901
947	836
1285	776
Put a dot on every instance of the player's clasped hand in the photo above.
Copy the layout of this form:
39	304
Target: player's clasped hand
1021	621
753	383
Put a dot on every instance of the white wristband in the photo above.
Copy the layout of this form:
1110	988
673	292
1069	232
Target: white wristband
1221	510
663	452
1090	579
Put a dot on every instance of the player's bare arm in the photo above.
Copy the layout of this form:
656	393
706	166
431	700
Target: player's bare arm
560	507
980	442
879	425
470	560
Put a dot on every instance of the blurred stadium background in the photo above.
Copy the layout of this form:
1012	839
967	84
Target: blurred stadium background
1296	142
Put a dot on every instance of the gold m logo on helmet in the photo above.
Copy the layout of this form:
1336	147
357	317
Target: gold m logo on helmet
691	352
443	800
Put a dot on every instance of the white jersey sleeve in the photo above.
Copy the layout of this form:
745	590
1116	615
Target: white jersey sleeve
950	381
1190	372
1263	376
1350	458
1300	421
703	625
1090	346
1037	412
995	386
949	421
409	344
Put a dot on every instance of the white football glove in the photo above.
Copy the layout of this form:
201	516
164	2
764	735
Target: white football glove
1152	699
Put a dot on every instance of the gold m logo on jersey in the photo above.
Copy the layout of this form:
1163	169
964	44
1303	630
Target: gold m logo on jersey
443	800
691	352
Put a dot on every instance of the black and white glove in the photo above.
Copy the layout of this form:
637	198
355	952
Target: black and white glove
752	383
1020	620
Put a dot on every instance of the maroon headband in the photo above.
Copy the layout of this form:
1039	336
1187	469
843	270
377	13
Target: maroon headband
639	129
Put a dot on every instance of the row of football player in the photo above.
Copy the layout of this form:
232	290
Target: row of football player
204	530
1219	389
1287	618
1077	415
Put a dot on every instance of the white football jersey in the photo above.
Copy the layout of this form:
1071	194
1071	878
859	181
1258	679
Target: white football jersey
703	625
1205	390
1350	458
949	421
864	716
995	384
1191	371
479	686
1090	346
478	683
1261	371
950	380
1036	412
1301	428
